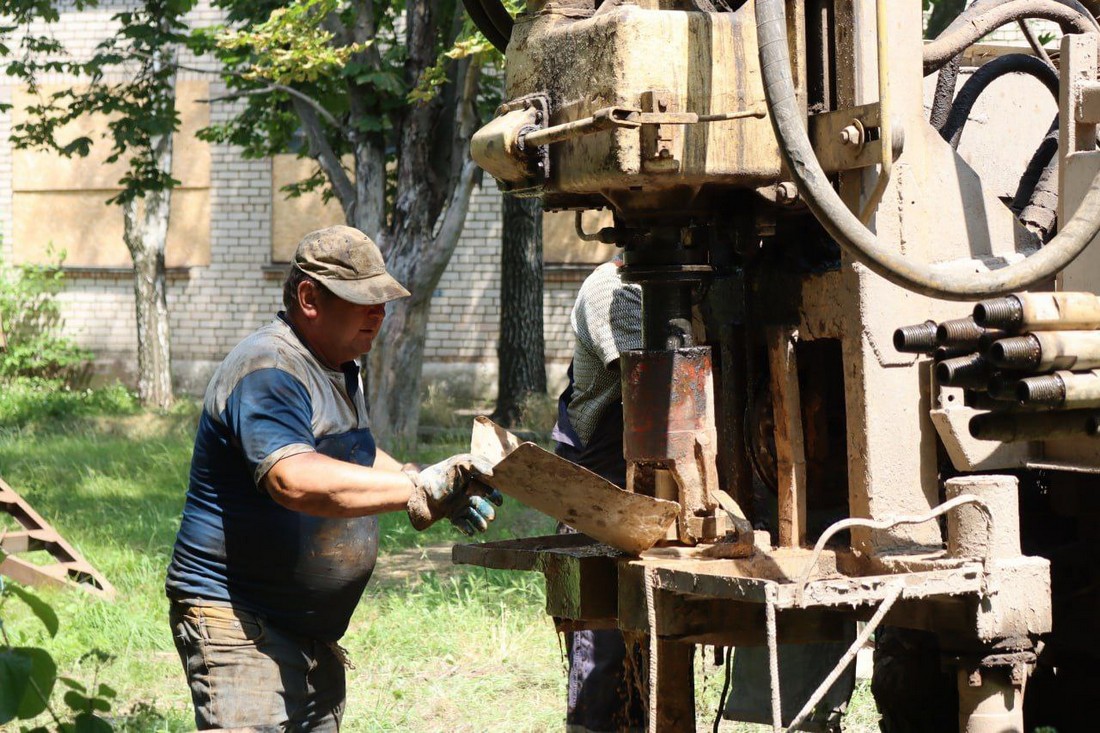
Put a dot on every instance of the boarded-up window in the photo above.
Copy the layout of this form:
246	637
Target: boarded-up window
293	218
60	203
562	246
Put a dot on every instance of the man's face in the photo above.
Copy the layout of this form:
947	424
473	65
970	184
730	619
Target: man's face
343	331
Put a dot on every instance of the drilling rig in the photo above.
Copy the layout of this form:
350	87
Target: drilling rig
785	205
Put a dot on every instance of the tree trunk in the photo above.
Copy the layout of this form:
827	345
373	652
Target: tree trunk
146	235
395	372
521	350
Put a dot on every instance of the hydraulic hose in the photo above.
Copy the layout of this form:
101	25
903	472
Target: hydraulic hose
982	18
857	240
492	19
945	93
1017	63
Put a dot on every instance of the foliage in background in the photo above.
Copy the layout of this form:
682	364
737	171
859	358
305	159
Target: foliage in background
29	678
128	83
367	91
31	316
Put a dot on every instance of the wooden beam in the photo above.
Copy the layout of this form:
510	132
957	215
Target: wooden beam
790	450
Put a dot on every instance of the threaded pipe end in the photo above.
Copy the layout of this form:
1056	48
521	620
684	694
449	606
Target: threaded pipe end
1048	389
917	339
965	371
1005	312
959	330
1016	352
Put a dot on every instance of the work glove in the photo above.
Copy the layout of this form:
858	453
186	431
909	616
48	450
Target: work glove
450	489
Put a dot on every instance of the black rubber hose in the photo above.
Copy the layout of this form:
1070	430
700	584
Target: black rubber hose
856	239
1036	199
982	18
484	22
1041	160
500	18
945	92
1016	63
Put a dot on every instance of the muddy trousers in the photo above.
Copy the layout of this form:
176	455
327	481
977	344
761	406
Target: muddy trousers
244	672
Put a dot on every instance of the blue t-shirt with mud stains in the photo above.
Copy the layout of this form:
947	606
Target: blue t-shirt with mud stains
271	398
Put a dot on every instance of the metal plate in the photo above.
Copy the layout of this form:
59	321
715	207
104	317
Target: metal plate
586	502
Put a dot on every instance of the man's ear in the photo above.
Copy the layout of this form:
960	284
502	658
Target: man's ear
309	298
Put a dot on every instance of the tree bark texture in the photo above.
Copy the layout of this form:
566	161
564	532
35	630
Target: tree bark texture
521	350
146	235
435	179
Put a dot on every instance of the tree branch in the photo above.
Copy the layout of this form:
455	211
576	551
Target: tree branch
454	221
324	113
322	152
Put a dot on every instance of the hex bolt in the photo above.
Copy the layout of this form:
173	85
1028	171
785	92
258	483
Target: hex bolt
786	192
851	135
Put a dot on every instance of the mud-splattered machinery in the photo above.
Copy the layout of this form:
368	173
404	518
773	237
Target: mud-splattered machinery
785	205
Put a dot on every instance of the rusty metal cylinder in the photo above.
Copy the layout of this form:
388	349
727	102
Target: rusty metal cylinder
990	701
1062	389
919	338
668	403
1046	351
959	332
1040	312
1010	427
968	531
971	371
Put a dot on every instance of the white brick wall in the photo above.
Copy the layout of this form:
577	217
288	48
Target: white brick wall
213	307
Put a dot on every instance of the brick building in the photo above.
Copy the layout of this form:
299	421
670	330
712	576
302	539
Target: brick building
233	231
231	234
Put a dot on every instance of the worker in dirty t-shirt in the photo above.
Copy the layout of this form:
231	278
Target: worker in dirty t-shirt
606	320
279	533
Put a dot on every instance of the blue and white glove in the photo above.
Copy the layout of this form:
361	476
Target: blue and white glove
450	489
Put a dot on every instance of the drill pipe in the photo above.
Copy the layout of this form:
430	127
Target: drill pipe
1061	389
1010	427
1040	312
972	372
916	339
1047	351
959	332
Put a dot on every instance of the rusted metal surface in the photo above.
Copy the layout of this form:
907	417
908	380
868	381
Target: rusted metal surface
668	412
70	568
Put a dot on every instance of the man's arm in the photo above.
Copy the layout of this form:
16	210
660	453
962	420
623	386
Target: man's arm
386	462
315	484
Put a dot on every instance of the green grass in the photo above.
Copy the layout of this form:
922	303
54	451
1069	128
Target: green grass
435	647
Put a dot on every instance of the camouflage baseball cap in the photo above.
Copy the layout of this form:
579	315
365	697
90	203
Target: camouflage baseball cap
349	264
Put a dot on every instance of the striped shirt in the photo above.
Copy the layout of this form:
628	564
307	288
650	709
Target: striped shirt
607	320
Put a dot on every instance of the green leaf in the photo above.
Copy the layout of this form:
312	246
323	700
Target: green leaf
76	702
106	691
21	669
15	674
88	723
43	675
40	608
72	684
